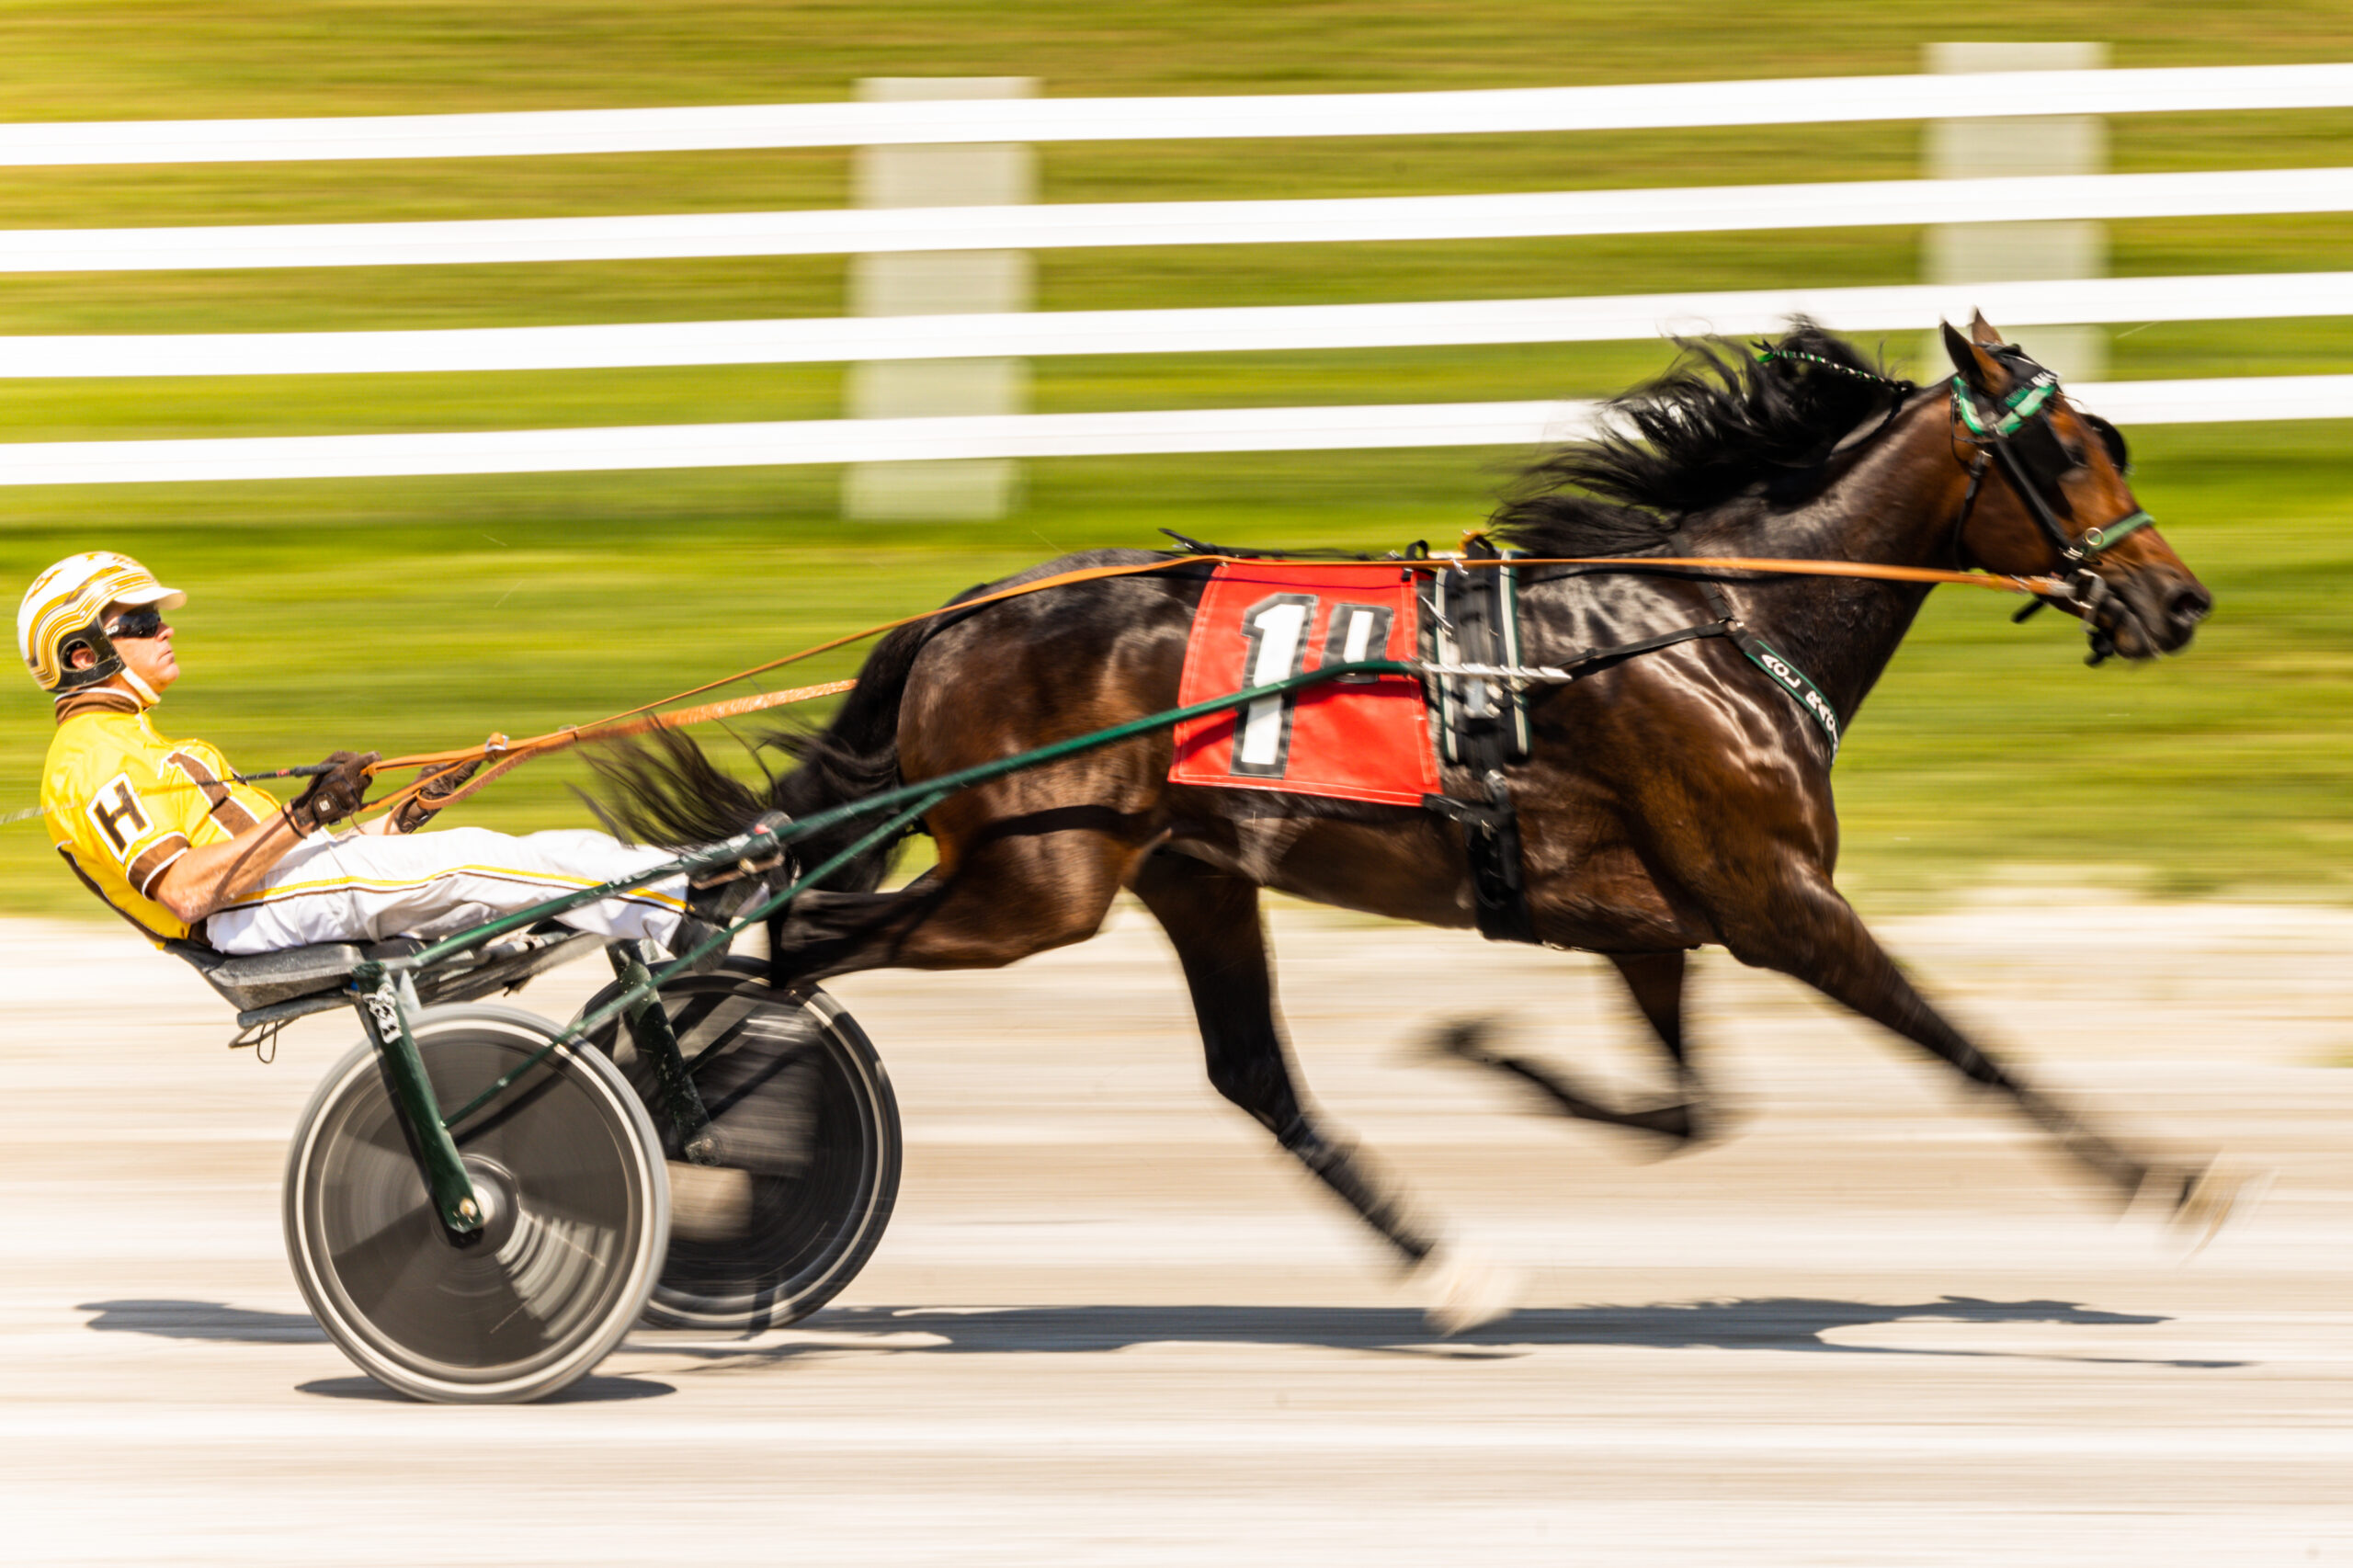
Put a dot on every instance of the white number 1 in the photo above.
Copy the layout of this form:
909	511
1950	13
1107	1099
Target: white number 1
1276	630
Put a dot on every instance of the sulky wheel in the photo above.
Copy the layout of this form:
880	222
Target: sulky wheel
569	1171
807	1153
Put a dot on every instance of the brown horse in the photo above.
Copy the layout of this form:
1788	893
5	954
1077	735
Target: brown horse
1671	800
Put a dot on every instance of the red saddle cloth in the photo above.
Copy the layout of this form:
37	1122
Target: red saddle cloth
1353	738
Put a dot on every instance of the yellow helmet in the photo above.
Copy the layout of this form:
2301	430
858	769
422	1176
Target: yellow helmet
66	608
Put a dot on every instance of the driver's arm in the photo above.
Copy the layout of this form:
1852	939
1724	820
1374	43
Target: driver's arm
200	882
203	880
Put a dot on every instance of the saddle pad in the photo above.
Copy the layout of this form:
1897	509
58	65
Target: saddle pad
1354	739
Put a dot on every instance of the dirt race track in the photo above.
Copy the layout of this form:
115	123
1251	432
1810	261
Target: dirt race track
1112	1325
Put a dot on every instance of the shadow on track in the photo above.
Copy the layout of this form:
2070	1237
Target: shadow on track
1784	1322
204	1320
588	1390
216	1324
1787	1323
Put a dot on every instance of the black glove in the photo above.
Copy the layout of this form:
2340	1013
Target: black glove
335	794
421	807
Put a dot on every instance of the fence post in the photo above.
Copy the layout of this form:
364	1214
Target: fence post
937	282
2048	145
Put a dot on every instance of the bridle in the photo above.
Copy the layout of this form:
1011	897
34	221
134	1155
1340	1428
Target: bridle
1998	432
1994	432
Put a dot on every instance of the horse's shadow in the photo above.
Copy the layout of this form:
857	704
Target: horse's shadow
1784	1322
1787	1323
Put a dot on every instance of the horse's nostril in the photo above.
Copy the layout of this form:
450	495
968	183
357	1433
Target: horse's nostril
2189	606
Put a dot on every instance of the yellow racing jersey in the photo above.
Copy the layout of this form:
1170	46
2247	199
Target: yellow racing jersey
123	803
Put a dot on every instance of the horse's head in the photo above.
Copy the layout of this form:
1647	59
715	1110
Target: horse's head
2048	495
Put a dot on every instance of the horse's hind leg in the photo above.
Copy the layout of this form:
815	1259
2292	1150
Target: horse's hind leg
1211	916
1028	883
1655	981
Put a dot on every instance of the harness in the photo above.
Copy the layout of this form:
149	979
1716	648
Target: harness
1471	624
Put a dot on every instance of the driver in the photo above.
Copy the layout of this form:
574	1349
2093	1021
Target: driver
162	831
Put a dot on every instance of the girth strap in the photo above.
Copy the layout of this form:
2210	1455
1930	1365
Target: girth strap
1473	618
1498	877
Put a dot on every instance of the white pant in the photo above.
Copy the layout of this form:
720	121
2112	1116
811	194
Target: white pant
366	887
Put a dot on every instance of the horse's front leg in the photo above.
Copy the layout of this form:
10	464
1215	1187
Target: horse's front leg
1813	933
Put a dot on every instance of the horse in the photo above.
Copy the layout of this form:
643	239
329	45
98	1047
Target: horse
1670	800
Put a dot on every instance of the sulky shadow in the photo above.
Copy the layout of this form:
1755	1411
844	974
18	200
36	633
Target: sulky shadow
588	1390
213	1323
1784	1324
204	1320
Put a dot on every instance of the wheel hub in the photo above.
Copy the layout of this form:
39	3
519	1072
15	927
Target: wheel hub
500	1199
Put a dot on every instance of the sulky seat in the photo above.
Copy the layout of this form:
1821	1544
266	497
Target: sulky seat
273	988
259	978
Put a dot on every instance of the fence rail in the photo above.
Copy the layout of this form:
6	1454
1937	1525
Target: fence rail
1232	329
1646	106
786	443
1079	225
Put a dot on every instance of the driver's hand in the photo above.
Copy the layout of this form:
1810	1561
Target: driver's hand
335	794
420	808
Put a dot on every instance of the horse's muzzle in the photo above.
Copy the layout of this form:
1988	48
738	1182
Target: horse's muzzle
2147	612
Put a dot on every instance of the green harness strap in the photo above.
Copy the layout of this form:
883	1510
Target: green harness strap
1795	681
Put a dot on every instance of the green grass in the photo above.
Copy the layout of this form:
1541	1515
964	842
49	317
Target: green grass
413	613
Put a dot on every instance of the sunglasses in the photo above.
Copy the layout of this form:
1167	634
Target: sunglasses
137	625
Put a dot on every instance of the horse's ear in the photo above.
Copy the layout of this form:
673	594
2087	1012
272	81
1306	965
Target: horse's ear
1977	368
1981	331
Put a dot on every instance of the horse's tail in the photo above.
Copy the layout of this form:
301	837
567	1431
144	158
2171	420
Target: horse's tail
665	790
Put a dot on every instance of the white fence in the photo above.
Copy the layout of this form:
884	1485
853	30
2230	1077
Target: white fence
1320	428
1148	223
1601	318
1651	106
1093	225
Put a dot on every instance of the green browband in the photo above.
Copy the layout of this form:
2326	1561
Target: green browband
2015	410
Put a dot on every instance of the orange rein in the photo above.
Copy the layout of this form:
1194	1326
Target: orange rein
511	755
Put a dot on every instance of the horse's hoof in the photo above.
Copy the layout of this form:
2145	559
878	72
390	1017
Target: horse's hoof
1463	1289
2215	1198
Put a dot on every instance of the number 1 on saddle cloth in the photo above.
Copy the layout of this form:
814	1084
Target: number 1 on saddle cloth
1357	738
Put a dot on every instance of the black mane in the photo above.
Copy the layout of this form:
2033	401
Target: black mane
1723	420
